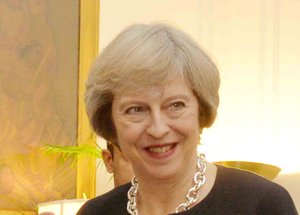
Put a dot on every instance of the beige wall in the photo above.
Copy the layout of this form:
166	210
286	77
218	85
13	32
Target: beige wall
255	44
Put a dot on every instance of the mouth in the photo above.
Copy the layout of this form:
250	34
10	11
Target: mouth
160	151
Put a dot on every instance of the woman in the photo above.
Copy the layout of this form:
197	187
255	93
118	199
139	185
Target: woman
152	91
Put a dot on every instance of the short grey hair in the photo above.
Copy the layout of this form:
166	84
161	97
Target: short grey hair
144	55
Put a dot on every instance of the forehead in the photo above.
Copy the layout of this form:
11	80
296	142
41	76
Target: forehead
173	87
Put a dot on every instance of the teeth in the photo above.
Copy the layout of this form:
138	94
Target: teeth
162	149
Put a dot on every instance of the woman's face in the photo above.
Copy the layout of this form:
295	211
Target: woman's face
158	128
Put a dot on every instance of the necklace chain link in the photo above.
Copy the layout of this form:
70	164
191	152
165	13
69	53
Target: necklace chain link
192	194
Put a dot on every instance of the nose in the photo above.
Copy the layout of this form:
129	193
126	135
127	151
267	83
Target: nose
158	126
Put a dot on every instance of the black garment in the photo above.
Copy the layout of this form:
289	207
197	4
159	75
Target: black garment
234	192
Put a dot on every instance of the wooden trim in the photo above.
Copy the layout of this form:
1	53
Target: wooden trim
88	50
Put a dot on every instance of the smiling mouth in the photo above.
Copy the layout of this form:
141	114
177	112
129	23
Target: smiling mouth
161	149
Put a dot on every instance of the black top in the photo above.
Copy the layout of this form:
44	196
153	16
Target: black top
234	192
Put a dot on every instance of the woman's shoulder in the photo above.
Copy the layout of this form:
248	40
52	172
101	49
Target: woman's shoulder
110	203
245	181
248	188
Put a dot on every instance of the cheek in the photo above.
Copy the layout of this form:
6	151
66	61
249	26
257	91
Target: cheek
190	132
188	124
128	133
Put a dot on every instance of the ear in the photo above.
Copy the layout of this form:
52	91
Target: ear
108	160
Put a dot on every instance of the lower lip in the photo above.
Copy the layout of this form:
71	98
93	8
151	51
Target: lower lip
162	155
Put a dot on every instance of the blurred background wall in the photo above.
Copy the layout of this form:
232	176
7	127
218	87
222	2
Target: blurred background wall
256	47
38	100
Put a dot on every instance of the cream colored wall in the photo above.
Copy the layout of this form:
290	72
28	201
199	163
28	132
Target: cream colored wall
256	46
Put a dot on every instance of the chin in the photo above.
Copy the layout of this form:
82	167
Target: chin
163	173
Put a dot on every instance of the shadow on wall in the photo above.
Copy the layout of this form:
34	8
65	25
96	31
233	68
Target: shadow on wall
291	183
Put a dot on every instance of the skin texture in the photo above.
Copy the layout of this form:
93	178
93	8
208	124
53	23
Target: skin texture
158	119
118	165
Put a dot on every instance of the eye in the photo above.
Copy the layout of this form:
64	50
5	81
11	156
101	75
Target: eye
135	110
177	105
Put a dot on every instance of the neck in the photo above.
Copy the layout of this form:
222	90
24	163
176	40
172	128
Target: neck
162	197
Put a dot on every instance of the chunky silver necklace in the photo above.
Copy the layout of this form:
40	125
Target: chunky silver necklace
192	194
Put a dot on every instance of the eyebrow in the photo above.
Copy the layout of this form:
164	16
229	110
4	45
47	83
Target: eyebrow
139	102
180	96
